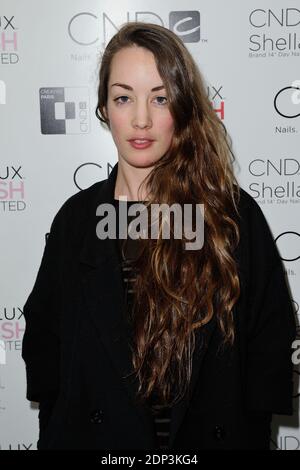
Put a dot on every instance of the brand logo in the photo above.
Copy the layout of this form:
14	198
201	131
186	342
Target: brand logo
12	189
64	110
283	179
276	32
283	167
287	102
285	17
186	24
289	243
11	328
87	174
83	28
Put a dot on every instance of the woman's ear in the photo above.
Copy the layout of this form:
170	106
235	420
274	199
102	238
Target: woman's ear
105	112
106	115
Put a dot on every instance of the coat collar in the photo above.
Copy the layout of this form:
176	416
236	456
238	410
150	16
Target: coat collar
104	294
94	251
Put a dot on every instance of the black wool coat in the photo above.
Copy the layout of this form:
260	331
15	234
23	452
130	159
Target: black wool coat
77	356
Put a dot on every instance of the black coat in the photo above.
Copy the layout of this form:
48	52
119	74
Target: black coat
76	350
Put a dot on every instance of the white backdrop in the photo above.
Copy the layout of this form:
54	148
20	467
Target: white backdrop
52	145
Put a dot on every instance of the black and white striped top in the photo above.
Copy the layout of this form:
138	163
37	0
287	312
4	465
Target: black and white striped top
161	414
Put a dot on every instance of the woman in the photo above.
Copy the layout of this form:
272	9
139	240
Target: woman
198	354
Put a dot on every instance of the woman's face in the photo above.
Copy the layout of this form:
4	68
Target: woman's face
138	111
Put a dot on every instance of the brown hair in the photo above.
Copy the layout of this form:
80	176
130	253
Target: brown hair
178	290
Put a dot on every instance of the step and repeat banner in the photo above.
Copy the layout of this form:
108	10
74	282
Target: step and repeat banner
52	145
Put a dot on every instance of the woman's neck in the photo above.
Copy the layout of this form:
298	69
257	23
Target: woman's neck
128	181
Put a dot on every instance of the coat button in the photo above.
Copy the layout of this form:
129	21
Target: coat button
96	416
219	432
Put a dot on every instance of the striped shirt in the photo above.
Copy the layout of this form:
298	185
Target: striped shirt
128	250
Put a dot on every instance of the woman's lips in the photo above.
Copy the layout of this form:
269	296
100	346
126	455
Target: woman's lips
141	144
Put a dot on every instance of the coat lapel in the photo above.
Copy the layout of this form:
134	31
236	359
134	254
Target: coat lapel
104	297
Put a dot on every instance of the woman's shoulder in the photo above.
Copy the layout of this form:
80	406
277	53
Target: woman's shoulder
250	210
255	231
246	201
80	204
77	211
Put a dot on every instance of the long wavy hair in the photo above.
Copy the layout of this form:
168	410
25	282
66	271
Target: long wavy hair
177	291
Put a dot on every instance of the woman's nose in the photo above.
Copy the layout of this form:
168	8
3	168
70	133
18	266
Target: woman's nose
142	116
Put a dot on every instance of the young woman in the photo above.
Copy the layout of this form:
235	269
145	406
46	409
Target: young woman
141	343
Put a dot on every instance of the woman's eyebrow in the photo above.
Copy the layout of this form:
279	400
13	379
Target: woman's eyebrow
127	87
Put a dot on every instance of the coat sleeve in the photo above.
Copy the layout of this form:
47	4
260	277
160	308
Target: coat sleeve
41	341
271	323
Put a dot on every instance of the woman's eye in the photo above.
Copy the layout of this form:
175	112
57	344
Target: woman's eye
119	100
163	97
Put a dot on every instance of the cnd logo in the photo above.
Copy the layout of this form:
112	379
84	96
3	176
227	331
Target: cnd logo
288	17
87	174
83	27
186	24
